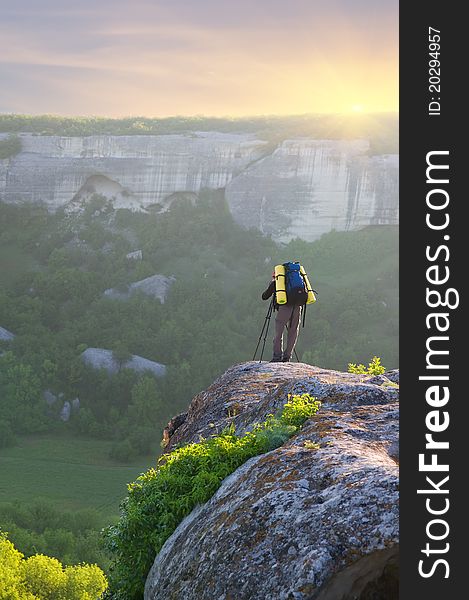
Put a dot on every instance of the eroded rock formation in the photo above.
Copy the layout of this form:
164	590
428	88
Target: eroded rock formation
299	188
100	358
6	335
156	286
308	187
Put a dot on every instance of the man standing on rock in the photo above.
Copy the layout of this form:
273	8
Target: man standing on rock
289	316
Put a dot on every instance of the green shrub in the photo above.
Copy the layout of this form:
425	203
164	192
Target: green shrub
11	584
84	582
299	408
10	146
374	367
70	536
43	578
190	475
7	437
122	451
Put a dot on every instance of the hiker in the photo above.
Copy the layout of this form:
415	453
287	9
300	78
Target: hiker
288	315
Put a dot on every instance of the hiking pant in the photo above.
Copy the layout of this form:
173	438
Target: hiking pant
290	317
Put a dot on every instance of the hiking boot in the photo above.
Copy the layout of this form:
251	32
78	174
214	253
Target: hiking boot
276	358
286	359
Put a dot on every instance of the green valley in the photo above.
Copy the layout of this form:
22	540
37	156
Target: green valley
67	286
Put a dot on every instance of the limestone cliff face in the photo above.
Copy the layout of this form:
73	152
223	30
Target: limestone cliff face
308	187
137	170
302	188
314	519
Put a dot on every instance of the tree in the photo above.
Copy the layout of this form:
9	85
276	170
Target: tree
20	395
120	353
41	577
44	577
11	584
10	146
122	451
48	373
147	406
7	437
84	581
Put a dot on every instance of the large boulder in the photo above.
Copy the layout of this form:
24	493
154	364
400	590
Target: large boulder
100	358
6	335
316	518
157	286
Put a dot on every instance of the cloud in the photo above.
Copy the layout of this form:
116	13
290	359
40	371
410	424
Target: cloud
198	57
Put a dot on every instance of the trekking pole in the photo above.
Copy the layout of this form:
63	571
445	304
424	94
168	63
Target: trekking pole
266	328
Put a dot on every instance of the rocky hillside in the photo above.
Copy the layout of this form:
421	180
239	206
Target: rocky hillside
316	518
300	187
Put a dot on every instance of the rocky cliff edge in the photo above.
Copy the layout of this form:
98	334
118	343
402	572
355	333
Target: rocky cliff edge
314	519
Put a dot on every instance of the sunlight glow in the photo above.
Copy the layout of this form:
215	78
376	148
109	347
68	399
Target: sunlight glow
159	62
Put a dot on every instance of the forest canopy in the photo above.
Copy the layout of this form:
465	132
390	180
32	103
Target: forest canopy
58	267
381	129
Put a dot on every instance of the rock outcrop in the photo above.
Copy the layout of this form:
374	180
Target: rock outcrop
135	255
300	188
308	187
314	519
6	335
100	358
156	286
137	170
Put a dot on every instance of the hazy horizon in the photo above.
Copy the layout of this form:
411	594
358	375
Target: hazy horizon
217	59
352	114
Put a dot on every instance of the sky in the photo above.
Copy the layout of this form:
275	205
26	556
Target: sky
159	58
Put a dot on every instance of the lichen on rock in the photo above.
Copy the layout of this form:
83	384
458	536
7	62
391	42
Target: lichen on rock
317	518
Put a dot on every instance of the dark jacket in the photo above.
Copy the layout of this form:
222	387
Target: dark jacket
269	291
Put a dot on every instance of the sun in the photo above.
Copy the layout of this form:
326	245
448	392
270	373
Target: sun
357	108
